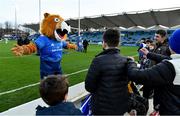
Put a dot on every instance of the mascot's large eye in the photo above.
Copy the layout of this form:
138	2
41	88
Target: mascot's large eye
56	20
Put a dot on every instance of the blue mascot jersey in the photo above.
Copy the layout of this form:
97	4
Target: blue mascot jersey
50	50
50	55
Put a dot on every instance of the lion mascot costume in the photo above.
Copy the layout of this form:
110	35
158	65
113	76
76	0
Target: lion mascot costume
49	44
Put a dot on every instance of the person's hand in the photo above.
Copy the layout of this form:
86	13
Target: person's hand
131	58
144	51
144	56
133	113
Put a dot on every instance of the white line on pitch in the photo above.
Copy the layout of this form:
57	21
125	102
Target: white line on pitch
31	85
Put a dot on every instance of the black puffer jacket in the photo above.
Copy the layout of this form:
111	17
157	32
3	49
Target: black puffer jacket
107	82
162	76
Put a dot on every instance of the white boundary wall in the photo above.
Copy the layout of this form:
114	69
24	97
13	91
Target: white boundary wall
76	94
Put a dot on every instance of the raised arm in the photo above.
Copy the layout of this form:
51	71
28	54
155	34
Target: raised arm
157	57
160	74
153	56
24	49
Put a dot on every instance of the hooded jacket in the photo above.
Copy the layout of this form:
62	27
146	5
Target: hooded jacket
166	76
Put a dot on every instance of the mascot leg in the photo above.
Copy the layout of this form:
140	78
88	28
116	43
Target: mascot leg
49	68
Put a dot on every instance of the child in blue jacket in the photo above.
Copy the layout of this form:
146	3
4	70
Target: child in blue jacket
54	90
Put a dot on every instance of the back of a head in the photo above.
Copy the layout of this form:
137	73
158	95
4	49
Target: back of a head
149	41
143	39
111	37
53	89
174	41
161	32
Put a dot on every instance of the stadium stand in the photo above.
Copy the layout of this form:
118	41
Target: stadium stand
133	25
128	38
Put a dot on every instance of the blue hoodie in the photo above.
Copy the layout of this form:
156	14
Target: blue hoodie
63	108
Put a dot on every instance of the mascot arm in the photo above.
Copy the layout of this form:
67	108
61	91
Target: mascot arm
24	49
71	46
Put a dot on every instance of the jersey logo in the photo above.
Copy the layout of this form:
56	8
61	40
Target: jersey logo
52	44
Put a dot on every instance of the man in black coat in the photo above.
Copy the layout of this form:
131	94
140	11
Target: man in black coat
20	41
85	45
107	80
162	48
165	76
23	39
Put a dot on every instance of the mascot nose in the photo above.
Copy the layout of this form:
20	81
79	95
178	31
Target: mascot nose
65	27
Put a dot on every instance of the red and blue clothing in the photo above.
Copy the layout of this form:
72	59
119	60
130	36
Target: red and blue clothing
50	52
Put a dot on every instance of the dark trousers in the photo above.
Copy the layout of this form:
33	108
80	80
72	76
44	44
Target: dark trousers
85	49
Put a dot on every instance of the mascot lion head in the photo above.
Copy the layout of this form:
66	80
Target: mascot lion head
54	26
